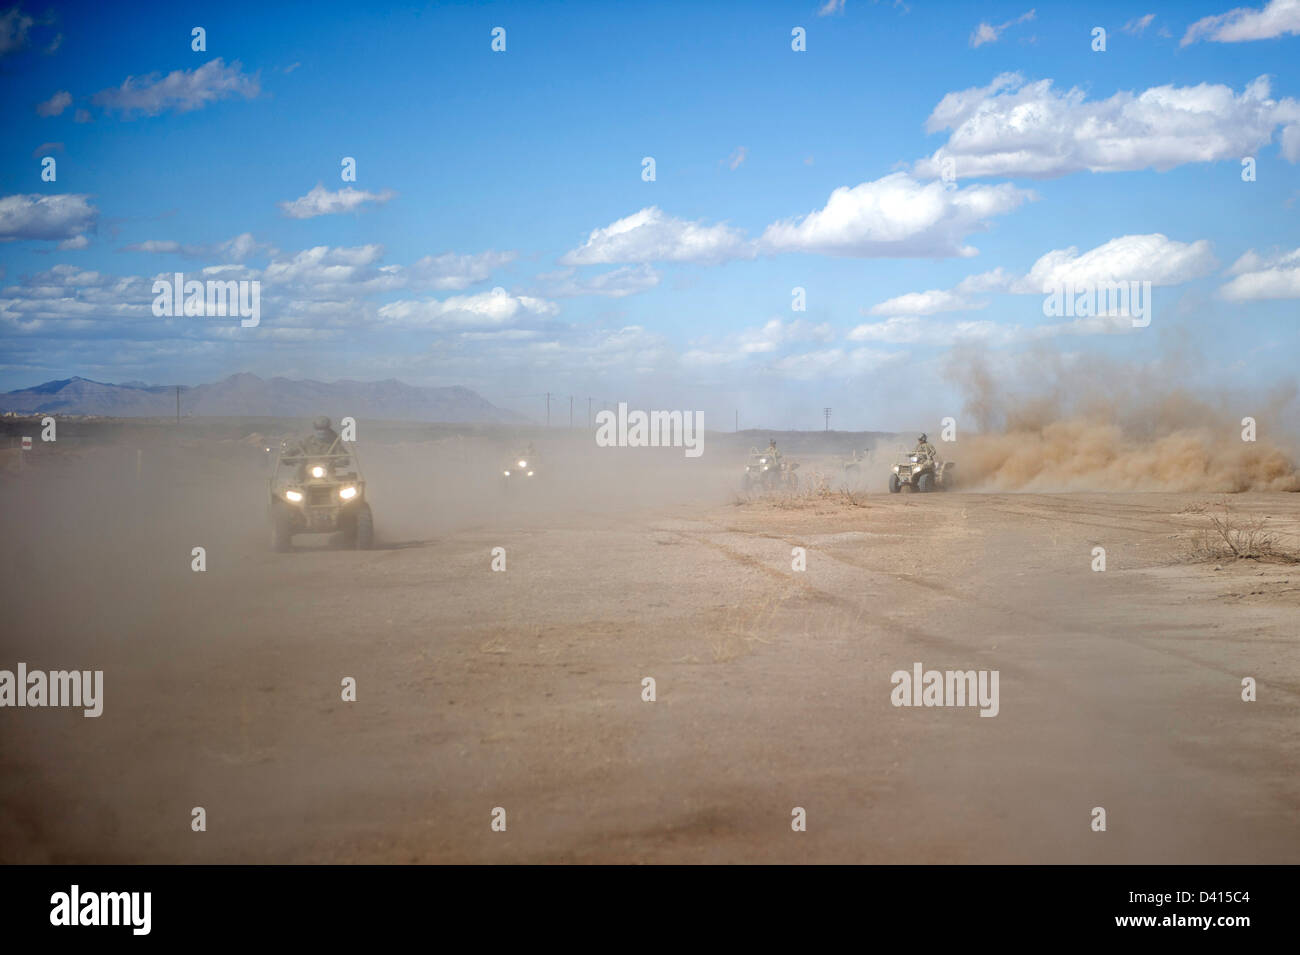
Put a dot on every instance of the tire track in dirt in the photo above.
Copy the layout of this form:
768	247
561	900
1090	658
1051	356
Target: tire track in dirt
888	622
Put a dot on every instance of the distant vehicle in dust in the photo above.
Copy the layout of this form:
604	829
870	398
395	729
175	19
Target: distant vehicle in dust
316	487
921	470
523	467
769	470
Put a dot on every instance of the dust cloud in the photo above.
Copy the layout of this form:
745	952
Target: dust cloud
1047	425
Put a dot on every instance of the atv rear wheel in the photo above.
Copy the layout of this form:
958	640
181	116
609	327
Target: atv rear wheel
281	529
894	485
363	536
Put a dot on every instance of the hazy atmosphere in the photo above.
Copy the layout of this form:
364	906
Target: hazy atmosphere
837	432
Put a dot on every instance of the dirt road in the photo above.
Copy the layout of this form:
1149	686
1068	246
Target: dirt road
522	689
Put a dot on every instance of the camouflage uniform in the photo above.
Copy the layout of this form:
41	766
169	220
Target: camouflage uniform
923	446
319	443
323	440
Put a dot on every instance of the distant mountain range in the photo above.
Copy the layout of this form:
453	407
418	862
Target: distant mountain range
248	395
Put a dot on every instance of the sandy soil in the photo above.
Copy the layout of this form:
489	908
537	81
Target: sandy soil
522	689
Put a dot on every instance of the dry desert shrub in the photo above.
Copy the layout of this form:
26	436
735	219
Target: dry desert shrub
1234	537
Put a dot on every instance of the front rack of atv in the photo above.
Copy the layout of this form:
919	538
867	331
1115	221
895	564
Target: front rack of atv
291	461
299	458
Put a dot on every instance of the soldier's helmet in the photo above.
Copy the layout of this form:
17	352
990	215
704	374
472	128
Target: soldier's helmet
321	424
923	439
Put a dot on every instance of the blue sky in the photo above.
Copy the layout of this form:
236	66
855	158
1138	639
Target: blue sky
521	171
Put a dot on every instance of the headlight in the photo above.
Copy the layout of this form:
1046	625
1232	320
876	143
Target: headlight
317	471
506	473
895	468
916	458
530	473
762	460
523	464
347	493
294	496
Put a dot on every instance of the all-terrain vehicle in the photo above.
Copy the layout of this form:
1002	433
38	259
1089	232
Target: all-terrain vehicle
523	467
918	471
319	494
767	473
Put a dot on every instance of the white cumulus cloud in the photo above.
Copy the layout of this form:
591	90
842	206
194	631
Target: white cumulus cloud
1276	18
1014	128
1151	258
482	310
34	216
321	202
958	299
652	236
895	217
1264	277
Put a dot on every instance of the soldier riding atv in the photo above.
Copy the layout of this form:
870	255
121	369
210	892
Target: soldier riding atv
522	465
316	488
921	470
768	470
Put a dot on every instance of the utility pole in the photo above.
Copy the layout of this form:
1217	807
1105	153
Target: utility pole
827	413
548	409
588	412
737	421
178	404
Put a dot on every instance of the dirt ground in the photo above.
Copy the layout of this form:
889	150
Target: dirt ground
522	689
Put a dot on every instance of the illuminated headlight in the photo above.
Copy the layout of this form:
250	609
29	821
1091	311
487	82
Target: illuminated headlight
916	458
347	493
523	464
762	460
294	496
530	473
506	473
317	471
895	468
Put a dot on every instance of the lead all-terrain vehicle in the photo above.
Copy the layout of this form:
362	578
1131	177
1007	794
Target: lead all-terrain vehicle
319	494
769	473
521	471
917	471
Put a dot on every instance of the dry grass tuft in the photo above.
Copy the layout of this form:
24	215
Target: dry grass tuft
1233	537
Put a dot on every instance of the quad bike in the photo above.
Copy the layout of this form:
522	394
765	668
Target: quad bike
918	471
768	473
319	494
521	469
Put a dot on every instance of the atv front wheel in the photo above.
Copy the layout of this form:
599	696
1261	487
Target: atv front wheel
894	485
281	529
364	529
925	483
